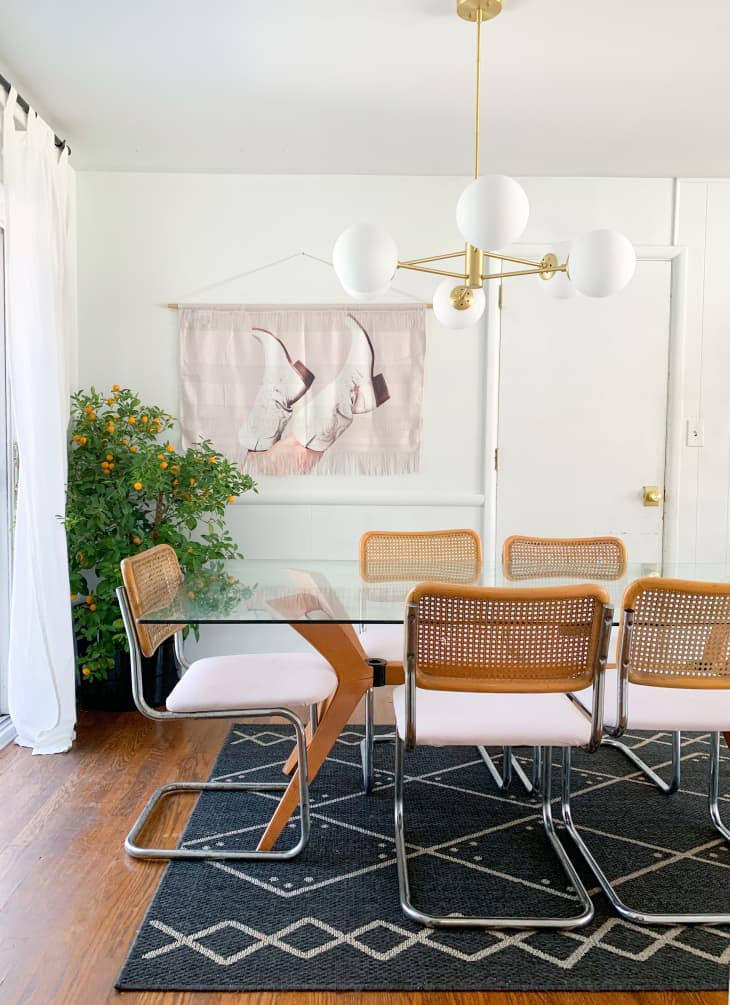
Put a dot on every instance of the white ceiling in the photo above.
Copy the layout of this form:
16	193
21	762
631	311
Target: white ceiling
572	87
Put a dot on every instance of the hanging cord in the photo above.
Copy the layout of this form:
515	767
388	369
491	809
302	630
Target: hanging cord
271	265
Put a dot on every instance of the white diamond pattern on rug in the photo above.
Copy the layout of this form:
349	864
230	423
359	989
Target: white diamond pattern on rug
331	919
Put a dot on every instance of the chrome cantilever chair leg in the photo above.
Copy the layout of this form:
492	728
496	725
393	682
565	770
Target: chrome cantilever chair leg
634	914
666	787
141	851
713	791
510	766
449	921
502	780
367	744
611	739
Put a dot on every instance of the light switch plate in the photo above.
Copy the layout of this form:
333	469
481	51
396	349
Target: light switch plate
695	433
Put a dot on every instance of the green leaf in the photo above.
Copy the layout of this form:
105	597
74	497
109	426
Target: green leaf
107	519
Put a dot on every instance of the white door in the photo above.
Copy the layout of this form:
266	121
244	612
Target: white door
583	411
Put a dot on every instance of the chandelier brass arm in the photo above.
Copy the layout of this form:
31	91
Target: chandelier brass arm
545	273
511	258
545	268
433	258
435	272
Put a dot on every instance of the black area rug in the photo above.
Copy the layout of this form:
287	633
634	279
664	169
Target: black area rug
331	919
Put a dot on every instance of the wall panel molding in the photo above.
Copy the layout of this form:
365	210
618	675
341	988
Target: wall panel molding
286	497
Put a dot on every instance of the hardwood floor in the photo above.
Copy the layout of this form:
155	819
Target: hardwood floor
71	900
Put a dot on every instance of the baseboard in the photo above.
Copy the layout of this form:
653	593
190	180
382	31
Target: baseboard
7	731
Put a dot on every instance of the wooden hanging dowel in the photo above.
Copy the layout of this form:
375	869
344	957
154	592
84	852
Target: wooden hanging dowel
177	307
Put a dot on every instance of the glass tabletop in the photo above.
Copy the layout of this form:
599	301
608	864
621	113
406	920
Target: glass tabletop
255	591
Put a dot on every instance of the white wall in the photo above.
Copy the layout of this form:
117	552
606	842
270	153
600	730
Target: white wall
149	239
146	239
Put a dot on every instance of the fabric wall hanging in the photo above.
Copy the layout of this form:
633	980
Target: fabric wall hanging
305	389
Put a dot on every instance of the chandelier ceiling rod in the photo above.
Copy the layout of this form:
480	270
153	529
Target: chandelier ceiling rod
476	101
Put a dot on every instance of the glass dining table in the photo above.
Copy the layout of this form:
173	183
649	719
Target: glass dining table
326	601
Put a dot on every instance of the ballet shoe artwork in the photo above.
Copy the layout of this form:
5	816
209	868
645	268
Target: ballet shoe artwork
283	383
306	390
355	390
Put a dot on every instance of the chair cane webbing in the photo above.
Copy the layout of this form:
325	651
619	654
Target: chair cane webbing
585	557
451	555
492	639
152	579
680	633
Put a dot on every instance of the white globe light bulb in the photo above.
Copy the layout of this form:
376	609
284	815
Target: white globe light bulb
365	259
492	212
601	263
445	312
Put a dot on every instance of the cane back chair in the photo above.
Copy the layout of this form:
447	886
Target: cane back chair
525	557
454	556
215	687
674	674
487	665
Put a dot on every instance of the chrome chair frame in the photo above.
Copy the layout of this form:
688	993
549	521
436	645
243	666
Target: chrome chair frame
511	766
623	909
141	851
367	744
578	920
544	787
611	739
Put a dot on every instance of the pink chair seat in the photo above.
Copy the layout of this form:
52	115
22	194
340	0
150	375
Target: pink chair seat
670	709
455	718
255	680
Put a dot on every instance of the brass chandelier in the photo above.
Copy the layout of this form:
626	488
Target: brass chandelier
491	213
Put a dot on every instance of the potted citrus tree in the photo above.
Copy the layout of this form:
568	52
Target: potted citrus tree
130	488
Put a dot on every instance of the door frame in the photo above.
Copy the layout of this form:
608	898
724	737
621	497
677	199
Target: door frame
676	255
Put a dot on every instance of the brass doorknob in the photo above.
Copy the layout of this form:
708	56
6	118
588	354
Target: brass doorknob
652	495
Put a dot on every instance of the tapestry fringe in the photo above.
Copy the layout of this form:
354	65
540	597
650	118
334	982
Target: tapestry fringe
376	463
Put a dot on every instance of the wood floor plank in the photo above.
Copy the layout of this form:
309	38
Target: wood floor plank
71	900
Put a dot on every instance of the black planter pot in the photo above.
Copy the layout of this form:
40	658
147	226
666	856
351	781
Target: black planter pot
159	676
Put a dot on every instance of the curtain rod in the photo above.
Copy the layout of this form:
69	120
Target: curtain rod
26	108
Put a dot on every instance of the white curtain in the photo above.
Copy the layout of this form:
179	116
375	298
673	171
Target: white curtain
40	267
